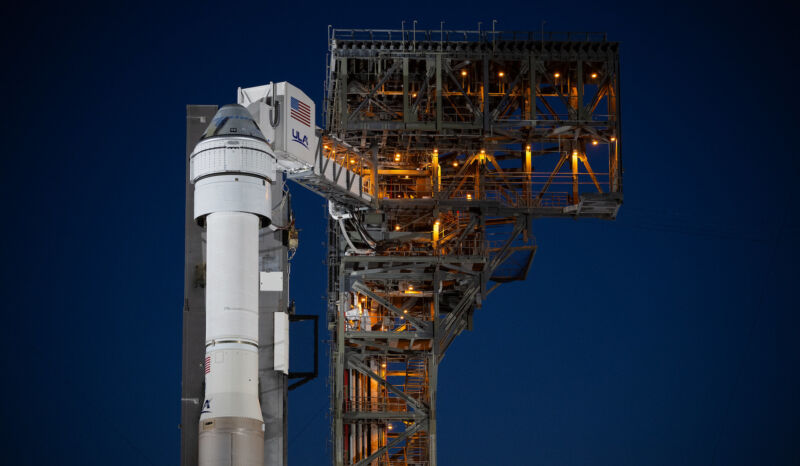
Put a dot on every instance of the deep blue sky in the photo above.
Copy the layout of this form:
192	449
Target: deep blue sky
668	337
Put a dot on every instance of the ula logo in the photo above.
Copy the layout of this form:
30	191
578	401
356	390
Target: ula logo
206	407
299	138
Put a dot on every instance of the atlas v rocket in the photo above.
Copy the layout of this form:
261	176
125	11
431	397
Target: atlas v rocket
231	167
246	148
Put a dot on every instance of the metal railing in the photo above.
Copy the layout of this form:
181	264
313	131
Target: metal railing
463	35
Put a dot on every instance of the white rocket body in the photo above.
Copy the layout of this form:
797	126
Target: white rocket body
231	168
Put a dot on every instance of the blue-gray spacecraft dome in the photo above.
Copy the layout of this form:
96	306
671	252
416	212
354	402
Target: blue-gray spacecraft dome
233	120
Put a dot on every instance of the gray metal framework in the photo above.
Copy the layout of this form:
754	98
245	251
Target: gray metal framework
461	138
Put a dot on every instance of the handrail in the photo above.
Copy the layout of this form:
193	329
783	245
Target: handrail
433	35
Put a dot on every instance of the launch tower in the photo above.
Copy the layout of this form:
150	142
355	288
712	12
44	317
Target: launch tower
438	150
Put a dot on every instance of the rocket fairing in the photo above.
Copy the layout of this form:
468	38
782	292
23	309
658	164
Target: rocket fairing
231	168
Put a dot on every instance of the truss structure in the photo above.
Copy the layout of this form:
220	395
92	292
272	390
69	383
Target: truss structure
460	139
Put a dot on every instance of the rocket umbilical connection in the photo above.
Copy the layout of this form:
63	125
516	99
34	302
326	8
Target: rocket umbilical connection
231	168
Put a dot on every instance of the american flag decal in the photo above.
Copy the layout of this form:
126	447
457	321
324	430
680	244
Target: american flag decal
208	364
300	111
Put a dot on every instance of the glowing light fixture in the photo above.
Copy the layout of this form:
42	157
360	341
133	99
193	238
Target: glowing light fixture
501	74
557	74
613	139
463	72
594	75
594	142
397	228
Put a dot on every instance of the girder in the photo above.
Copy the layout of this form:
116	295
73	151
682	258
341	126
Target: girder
460	138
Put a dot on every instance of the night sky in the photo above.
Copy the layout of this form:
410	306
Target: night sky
668	337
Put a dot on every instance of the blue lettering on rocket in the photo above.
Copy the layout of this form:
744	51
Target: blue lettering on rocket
299	138
206	407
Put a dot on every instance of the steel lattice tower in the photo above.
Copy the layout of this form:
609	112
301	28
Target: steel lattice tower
461	139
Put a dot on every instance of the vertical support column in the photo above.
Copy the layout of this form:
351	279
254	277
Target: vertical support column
375	174
579	94
436	226
486	109
438	92
436	173
615	113
342	90
528	167
531	87
406	111
574	160
272	306
479	188
433	370
194	299
339	374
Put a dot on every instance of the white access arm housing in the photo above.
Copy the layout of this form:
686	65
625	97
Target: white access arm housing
290	130
286	117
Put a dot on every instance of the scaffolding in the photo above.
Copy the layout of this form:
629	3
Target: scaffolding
460	139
